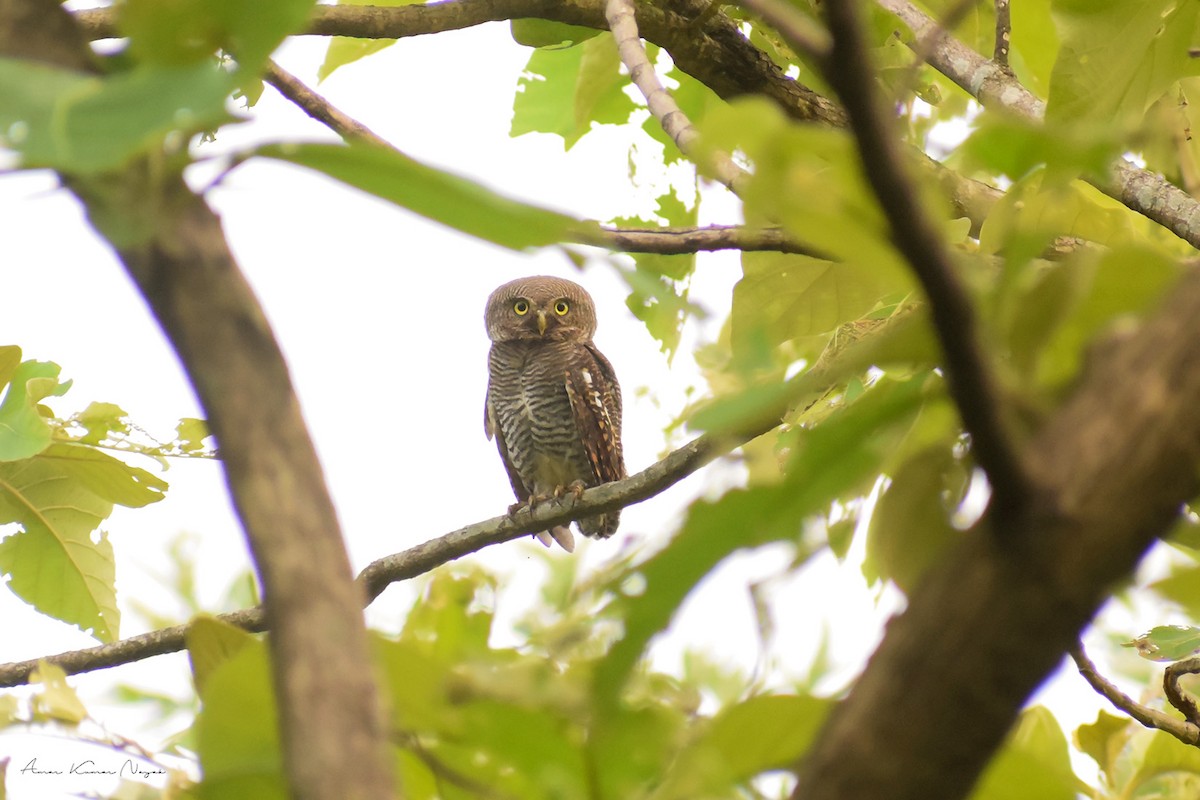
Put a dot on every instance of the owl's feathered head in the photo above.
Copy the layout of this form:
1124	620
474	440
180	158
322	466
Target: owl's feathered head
540	307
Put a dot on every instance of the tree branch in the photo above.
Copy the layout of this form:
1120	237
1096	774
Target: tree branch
333	739
971	382
684	240
1176	696
1186	732
319	108
422	558
1113	465
1003	35
1140	190
662	105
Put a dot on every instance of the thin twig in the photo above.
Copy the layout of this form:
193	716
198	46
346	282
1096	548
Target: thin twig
319	108
1003	35
971	382
623	24
1176	696
1186	732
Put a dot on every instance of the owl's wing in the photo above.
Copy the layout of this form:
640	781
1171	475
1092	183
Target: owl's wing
492	428
596	405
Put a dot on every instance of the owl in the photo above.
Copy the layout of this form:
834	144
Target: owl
553	401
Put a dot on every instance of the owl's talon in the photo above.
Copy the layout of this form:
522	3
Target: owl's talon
577	488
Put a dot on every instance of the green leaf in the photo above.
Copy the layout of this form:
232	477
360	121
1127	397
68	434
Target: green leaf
454	617
10	359
82	123
56	700
829	460
1182	586
910	528
1005	145
563	91
1117	57
181	32
106	477
1034	44
782	297
550	34
211	643
190	434
345	50
1034	763
57	562
629	748
537	748
763	733
415	684
24	432
236	731
658	301
452	200
1167	642
1103	739
100	420
1125	281
1163	755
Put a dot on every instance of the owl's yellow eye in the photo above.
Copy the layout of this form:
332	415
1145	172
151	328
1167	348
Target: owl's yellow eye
521	307
561	307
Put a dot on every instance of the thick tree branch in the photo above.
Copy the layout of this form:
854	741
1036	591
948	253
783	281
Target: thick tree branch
987	625
1138	189
971	382
1186	732
331	725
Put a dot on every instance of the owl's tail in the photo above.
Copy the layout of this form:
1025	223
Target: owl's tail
559	533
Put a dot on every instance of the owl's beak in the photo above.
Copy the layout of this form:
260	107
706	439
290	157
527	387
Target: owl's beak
541	323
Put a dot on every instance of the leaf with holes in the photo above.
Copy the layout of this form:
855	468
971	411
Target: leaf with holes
57	561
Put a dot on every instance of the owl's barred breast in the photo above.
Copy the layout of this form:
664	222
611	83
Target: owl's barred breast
530	401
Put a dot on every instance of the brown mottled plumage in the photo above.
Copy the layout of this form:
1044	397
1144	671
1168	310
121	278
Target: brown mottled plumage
553	401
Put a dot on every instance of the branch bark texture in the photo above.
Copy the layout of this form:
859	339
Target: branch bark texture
983	629
172	245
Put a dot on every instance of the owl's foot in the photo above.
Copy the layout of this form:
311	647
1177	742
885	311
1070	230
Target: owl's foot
528	504
559	533
575	488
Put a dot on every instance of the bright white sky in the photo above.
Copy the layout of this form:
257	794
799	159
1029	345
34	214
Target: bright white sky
380	315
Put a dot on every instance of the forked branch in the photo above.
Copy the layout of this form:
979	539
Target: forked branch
1185	731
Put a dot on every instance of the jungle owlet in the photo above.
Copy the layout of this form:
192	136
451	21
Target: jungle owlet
553	401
